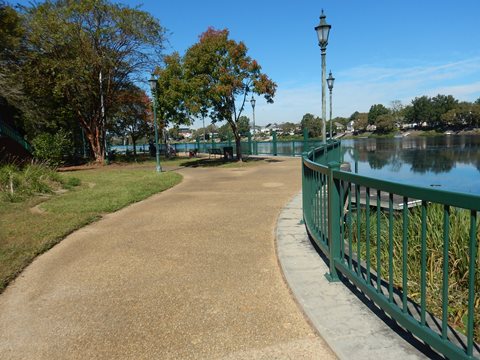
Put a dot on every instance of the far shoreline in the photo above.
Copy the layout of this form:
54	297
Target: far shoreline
412	133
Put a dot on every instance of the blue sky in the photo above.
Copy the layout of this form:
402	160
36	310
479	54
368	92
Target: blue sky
378	51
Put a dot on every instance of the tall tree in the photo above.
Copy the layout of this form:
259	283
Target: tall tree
441	104
225	132
396	109
12	99
464	114
312	124
375	111
173	93
288	127
223	75
81	54
133	117
360	121
385	123
421	111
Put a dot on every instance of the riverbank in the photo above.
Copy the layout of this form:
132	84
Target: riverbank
412	133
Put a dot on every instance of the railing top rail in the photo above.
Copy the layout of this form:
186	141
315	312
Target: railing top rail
456	199
451	198
14	135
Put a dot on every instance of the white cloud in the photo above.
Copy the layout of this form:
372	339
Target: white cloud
358	88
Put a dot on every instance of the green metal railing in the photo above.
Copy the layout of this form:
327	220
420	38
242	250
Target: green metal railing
402	246
14	135
272	147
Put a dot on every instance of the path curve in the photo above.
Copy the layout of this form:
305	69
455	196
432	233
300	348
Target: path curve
190	273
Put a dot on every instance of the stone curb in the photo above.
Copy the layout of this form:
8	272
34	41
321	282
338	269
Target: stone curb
350	324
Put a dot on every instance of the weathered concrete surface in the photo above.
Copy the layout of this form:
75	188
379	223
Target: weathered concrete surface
348	325
190	273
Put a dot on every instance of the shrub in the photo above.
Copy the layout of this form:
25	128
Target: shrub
71	182
17	184
52	149
10	181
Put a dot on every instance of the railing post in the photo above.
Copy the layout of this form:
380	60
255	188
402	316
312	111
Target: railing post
274	139
333	220
305	139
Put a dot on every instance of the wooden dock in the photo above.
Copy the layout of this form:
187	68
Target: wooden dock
384	199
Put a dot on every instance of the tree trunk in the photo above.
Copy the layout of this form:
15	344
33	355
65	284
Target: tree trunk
96	144
236	135
134	143
239	146
167	152
95	138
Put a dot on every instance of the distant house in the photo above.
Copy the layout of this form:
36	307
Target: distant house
257	129
350	126
409	126
185	132
271	127
338	126
371	127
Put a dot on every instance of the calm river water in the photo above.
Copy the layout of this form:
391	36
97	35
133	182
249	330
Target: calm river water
448	162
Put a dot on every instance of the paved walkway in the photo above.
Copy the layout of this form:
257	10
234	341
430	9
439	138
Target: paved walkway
190	273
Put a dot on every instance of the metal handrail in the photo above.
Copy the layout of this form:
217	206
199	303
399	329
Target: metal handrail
339	214
14	135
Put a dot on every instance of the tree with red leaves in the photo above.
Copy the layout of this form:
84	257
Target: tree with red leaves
221	76
133	117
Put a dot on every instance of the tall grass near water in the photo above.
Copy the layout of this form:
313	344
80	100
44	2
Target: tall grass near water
458	257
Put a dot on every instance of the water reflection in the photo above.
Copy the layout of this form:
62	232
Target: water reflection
420	160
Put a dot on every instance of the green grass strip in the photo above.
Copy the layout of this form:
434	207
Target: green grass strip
33	226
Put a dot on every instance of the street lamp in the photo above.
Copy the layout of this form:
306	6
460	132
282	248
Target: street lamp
330	81
153	88
253	101
323	29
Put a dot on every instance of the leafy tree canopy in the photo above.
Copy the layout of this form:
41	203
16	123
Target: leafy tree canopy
80	56
174	93
222	75
133	116
385	123
312	124
375	111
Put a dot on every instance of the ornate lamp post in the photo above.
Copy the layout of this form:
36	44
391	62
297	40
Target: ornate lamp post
323	29
330	81
253	101
153	88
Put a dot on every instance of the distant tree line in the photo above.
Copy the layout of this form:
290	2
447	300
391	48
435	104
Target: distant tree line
438	112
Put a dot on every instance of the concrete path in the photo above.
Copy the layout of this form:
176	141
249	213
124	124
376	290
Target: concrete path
190	273
350	323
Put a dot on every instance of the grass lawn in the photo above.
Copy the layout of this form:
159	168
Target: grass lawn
202	161
29	228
